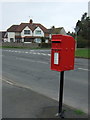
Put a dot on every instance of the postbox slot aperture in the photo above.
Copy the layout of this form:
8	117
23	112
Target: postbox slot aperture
56	41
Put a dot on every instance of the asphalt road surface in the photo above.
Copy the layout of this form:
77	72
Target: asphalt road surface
31	69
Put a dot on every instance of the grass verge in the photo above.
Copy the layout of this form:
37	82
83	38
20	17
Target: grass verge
82	53
23	47
79	112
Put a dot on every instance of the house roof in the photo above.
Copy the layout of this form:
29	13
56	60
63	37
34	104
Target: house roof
55	30
13	28
33	26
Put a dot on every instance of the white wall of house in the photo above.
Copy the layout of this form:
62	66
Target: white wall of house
46	41
26	28
50	36
11	35
38	29
22	39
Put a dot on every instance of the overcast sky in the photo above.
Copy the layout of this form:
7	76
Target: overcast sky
60	14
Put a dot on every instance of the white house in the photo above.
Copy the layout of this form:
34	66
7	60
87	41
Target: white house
27	32
32	32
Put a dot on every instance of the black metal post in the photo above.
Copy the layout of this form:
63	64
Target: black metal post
60	112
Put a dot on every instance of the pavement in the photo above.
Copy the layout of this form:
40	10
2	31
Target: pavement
19	102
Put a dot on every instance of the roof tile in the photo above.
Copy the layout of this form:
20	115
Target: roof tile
33	26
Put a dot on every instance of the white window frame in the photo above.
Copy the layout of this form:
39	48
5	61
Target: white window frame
38	32
26	32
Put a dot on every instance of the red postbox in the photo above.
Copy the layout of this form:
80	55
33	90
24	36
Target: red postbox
62	53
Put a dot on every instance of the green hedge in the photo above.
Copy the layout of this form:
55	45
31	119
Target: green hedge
82	43
45	45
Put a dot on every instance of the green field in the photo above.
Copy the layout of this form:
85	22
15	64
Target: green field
82	52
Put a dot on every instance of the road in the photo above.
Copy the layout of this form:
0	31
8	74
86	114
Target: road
31	69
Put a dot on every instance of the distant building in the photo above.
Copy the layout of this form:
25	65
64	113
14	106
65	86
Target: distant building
27	33
3	36
59	30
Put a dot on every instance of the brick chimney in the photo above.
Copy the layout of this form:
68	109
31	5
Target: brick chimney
31	21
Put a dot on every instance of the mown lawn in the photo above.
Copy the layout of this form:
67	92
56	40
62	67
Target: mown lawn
82	52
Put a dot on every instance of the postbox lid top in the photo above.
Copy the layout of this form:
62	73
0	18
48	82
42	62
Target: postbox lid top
56	40
54	37
59	36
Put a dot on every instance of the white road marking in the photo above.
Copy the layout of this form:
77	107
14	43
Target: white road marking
83	69
26	52
35	53
42	62
19	51
30	52
8	81
43	54
38	53
49	54
27	87
86	64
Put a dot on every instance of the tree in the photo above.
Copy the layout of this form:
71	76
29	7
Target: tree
84	16
82	28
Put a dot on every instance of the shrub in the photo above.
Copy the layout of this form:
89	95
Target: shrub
45	45
82	43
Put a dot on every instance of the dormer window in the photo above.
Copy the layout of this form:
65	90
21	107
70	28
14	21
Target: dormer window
38	32
26	31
